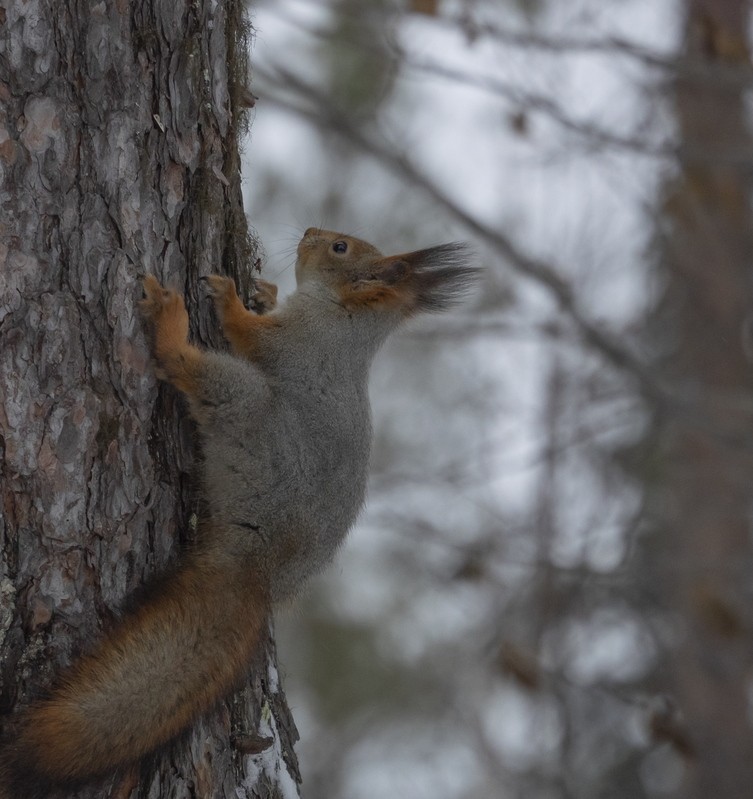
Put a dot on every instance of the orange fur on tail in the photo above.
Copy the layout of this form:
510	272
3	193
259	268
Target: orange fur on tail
166	664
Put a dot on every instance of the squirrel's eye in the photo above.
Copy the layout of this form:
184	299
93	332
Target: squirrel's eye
340	247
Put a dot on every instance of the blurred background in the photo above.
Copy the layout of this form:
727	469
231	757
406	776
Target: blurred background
549	593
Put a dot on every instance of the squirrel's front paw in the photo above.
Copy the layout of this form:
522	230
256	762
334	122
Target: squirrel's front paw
264	298
222	291
221	288
164	307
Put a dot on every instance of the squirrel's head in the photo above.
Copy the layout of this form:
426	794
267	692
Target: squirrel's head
360	277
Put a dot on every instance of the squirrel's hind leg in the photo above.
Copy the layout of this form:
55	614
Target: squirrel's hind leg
180	362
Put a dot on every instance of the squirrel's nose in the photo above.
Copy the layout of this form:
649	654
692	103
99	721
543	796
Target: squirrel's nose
312	231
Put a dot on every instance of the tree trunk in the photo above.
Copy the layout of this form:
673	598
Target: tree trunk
118	157
701	553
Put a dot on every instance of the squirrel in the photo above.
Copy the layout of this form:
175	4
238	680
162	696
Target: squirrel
284	425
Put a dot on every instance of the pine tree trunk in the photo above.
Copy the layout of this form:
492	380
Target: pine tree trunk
701	555
118	157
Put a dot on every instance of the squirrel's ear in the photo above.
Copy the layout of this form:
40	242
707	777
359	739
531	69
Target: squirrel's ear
380	287
425	280
391	270
432	279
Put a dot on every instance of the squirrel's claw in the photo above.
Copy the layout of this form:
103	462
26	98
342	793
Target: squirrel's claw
222	290
219	286
159	302
264	297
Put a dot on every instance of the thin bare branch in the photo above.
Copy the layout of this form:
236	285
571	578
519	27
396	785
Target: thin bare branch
545	105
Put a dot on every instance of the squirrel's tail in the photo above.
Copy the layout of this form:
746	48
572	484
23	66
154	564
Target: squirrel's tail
163	666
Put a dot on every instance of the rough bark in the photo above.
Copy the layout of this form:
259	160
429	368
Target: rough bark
700	556
118	157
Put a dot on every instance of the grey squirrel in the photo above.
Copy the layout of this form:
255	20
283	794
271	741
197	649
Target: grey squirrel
285	429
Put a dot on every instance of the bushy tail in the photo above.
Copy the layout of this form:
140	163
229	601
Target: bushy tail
165	664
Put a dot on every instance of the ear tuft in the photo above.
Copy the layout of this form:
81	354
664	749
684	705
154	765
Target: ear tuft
425	280
441	276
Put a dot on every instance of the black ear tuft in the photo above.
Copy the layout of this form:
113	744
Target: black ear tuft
442	276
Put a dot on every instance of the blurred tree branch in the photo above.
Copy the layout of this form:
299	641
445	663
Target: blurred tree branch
320	111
